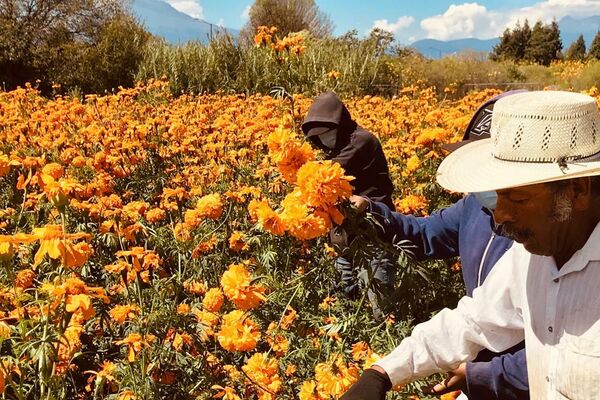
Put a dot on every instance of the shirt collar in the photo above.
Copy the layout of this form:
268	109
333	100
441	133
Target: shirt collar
582	257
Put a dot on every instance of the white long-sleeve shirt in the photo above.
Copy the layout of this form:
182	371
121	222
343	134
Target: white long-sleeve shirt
525	296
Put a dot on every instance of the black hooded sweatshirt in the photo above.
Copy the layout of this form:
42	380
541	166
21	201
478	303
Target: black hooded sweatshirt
356	150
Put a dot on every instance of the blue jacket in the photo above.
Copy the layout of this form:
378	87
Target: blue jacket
464	229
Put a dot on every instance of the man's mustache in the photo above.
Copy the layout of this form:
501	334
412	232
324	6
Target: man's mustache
509	231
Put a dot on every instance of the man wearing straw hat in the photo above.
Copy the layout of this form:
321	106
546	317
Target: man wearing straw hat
541	163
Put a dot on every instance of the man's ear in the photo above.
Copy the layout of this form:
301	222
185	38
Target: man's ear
582	193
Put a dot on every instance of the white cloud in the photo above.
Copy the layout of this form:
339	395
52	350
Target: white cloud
475	20
190	7
393	27
246	13
460	21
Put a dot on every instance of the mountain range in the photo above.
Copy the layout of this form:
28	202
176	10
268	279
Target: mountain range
161	19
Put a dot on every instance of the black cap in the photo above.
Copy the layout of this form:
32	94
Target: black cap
481	122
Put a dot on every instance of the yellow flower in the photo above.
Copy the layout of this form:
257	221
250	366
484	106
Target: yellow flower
238	332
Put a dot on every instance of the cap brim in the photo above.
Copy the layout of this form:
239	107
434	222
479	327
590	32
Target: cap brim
316	129
473	168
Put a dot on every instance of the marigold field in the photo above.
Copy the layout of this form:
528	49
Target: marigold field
160	247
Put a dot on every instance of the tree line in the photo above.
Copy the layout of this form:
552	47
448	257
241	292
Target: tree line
94	46
541	45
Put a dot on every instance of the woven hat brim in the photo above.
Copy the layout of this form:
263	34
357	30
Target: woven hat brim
473	168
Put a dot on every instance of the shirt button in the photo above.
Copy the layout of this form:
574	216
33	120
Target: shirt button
547	379
555	280
549	329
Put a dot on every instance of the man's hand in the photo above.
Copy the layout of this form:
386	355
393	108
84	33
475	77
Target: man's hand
359	203
373	384
456	380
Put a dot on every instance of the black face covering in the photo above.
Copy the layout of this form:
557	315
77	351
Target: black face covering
329	139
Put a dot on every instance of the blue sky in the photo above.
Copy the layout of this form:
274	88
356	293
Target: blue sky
410	20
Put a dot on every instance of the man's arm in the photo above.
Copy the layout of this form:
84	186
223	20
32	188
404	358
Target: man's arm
435	236
504	377
490	319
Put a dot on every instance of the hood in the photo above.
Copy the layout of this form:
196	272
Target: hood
328	110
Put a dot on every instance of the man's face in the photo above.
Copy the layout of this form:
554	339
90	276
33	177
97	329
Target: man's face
534	215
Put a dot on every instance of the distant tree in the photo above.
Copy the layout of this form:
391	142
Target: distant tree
594	51
288	16
545	43
576	50
60	41
513	43
521	39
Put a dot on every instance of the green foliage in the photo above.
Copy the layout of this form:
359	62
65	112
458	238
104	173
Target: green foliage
576	50
91	46
224	65
513	43
545	43
540	45
288	16
594	52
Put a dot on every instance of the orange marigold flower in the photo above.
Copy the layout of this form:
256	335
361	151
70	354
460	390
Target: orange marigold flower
107	370
238	289
54	170
135	343
237	241
213	300
80	303
289	317
24	279
335	377
122	313
156	215
278	342
308	391
261	212
183	308
194	287
210	206
360	351
127	395
323	183
205	247
182	232
412	204
225	392
263	371
238	332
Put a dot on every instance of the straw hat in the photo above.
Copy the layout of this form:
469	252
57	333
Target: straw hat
536	137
